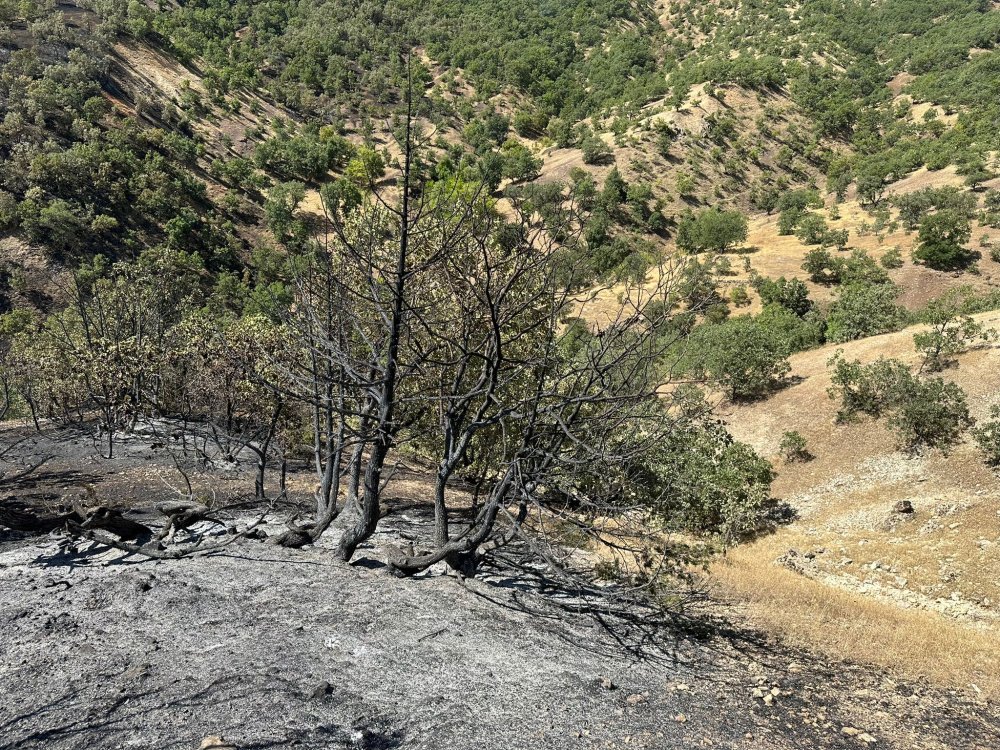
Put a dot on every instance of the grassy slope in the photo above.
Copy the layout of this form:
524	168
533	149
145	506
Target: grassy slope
917	592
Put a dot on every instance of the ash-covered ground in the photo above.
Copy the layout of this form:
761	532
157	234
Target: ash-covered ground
275	648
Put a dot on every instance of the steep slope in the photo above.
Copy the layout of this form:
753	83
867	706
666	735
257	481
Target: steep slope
913	591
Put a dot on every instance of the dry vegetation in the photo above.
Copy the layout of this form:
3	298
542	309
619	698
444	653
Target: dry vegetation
917	592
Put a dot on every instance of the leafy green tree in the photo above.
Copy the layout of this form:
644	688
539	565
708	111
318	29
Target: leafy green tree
743	356
367	167
950	331
811	229
792	294
932	413
792	332
595	150
863	310
519	164
941	241
871	389
711	230
822	267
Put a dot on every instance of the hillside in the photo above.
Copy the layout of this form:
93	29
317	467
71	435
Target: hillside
922	586
582	332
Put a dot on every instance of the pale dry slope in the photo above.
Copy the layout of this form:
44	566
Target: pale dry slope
917	592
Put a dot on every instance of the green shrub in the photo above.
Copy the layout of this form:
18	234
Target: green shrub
932	413
863	310
951	332
792	294
810	229
866	389
711	230
987	437
822	267
742	355
892	258
793	447
941	239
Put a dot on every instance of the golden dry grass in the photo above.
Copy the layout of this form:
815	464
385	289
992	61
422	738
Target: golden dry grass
851	626
916	593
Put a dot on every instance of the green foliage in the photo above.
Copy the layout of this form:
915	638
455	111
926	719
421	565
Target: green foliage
914	207
303	157
792	294
711	230
987	437
950	331
794	333
811	229
822	267
862	310
793	447
932	413
941	241
595	150
743	355
923	412
702	479
891	258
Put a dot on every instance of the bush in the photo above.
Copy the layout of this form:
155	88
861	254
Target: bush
712	230
739	297
811	229
892	258
942	236
837	238
864	310
743	356
987	437
928	413
866	389
822	267
795	333
932	413
792	294
793	447
595	150
951	332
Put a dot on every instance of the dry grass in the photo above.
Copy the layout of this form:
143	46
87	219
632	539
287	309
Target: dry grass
916	593
850	626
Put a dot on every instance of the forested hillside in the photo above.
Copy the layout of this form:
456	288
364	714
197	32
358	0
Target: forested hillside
539	269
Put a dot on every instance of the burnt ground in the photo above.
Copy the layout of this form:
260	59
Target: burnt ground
275	648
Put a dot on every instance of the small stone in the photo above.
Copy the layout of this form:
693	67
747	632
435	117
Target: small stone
850	731
903	506
635	699
768	699
607	683
680	718
867	738
321	691
215	742
682	686
757	693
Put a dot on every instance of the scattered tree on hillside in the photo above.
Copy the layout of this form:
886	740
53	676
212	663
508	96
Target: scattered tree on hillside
931	412
941	239
743	356
712	230
950	331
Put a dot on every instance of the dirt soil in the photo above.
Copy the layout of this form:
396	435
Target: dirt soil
274	648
